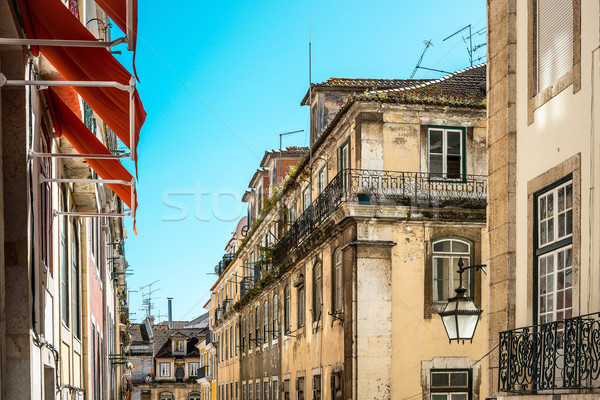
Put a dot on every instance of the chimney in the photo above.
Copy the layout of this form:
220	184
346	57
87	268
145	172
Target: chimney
170	299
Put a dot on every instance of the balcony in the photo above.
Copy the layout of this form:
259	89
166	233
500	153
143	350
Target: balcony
224	263
552	356
204	373
370	187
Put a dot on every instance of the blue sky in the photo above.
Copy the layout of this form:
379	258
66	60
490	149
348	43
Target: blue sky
220	80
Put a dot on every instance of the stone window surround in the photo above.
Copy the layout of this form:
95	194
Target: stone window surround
573	77
570	166
450	363
434	233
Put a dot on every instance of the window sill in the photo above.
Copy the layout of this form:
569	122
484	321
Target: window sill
548	94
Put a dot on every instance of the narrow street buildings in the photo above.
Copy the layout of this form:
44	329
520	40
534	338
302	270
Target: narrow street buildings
544	209
63	295
342	272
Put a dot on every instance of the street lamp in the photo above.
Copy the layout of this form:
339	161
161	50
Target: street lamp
461	315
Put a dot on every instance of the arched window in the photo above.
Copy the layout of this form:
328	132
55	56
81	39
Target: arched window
337	286
166	396
446	253
317	290
275	317
287	309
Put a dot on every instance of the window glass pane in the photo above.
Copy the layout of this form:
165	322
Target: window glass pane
459	379
459	247
453	142
440	379
459	396
442	246
438	396
435	141
550	205
436	164
569	196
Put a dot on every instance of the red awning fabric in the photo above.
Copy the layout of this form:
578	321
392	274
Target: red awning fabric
117	11
50	19
66	123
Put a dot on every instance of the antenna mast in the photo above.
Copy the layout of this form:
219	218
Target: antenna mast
427	43
147	304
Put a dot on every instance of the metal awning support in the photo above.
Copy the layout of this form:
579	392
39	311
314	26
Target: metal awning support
63	43
33	154
110	84
84	214
129	23
131	184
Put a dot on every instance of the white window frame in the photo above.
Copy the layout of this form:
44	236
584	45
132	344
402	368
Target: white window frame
452	257
544	220
165	369
444	154
191	366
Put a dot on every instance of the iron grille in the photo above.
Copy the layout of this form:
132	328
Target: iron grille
384	188
551	356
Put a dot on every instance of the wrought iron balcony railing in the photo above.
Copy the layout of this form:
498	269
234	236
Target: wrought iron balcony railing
224	263
385	188
552	356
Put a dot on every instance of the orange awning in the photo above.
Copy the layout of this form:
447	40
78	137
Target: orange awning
66	123
117	11
50	19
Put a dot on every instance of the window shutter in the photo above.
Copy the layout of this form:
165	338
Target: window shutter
554	40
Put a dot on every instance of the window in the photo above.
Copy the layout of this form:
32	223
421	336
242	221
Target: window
226	347
166	396
179	346
259	199
194	396
317	290
344	162
165	369
244	335
287	309
76	282
250	331
445	155
193	368
554	253
554	41
266	390
231	345
322	179
446	254
337	282
301	303
300	388
292	214
275	317
258	391
257	324
275	390
317	387
305	198
450	385
266	322
237	339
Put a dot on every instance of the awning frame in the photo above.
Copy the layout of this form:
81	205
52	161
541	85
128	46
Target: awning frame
131	184
33	154
126	88
128	38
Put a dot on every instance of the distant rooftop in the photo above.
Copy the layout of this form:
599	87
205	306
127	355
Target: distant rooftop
361	84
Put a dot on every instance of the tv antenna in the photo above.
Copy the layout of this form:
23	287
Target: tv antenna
427	44
470	48
147	298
